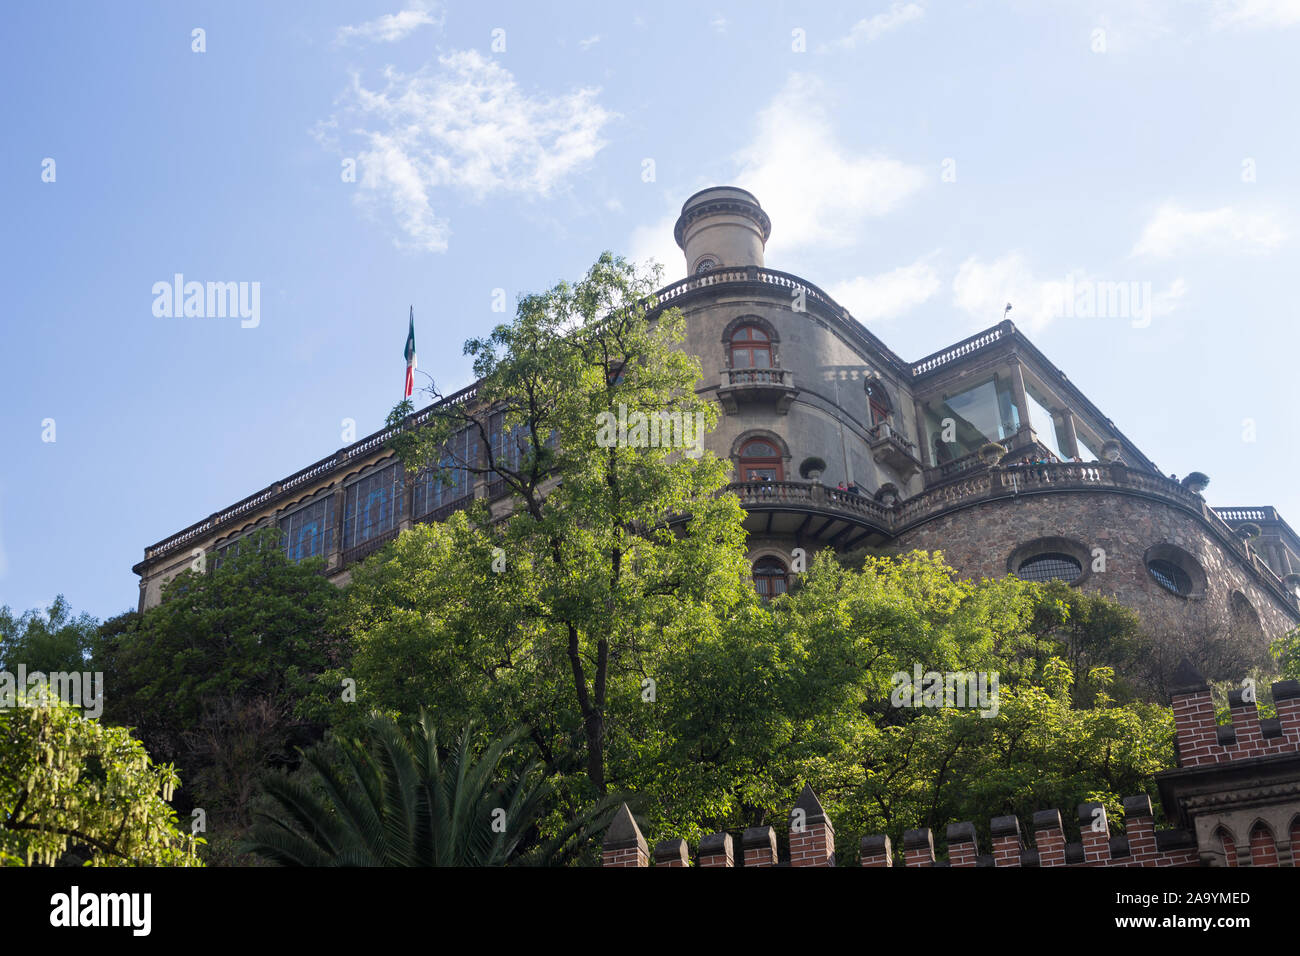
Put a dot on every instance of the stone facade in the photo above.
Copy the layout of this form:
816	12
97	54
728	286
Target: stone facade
838	442
1112	533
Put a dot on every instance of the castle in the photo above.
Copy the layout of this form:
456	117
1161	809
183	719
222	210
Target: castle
984	450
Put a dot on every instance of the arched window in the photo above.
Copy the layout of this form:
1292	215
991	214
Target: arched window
1051	566
760	460
1229	847
1263	851
1245	619
750	348
878	401
1170	576
707	264
770	577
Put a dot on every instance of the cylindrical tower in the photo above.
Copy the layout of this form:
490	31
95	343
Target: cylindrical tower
722	226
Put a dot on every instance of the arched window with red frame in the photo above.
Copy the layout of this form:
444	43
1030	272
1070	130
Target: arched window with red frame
751	347
770	577
878	401
760	460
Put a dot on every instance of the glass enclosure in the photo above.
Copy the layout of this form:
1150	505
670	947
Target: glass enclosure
962	422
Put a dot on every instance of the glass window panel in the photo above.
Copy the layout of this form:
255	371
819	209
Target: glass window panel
1043	424
309	532
373	506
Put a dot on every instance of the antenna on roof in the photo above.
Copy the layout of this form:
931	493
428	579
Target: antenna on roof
1006	310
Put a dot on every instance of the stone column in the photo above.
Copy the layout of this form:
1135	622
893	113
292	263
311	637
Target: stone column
335	558
1071	444
1018	392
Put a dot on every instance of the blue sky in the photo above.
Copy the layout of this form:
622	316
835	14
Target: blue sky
924	162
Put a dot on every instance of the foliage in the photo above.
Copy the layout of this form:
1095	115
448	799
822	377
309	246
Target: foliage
47	642
614	549
217	677
397	801
73	789
1286	653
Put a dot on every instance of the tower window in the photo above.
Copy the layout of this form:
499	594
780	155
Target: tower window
1052	566
878	402
770	577
760	460
751	348
705	265
1170	577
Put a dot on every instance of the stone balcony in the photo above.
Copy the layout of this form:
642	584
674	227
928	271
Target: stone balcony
844	520
770	386
892	450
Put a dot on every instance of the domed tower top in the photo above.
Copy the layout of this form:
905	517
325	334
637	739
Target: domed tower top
722	226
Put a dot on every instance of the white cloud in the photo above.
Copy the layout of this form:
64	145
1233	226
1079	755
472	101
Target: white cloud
392	27
655	242
815	190
1257	13
983	290
719	23
871	298
589	42
463	124
869	29
1174	229
1164	303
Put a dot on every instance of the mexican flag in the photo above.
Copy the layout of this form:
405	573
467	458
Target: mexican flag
409	353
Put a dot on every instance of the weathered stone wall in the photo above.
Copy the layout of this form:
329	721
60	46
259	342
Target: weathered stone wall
978	542
829	418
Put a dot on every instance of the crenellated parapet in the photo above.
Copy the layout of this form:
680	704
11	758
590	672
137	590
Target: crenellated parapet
1234	800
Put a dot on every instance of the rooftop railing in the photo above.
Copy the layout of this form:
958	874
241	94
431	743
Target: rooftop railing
964	347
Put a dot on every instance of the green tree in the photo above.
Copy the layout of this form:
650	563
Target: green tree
616	547
75	790
396	800
220	677
1286	654
50	641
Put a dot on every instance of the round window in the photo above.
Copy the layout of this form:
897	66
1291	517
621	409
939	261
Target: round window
1170	577
704	265
1053	566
